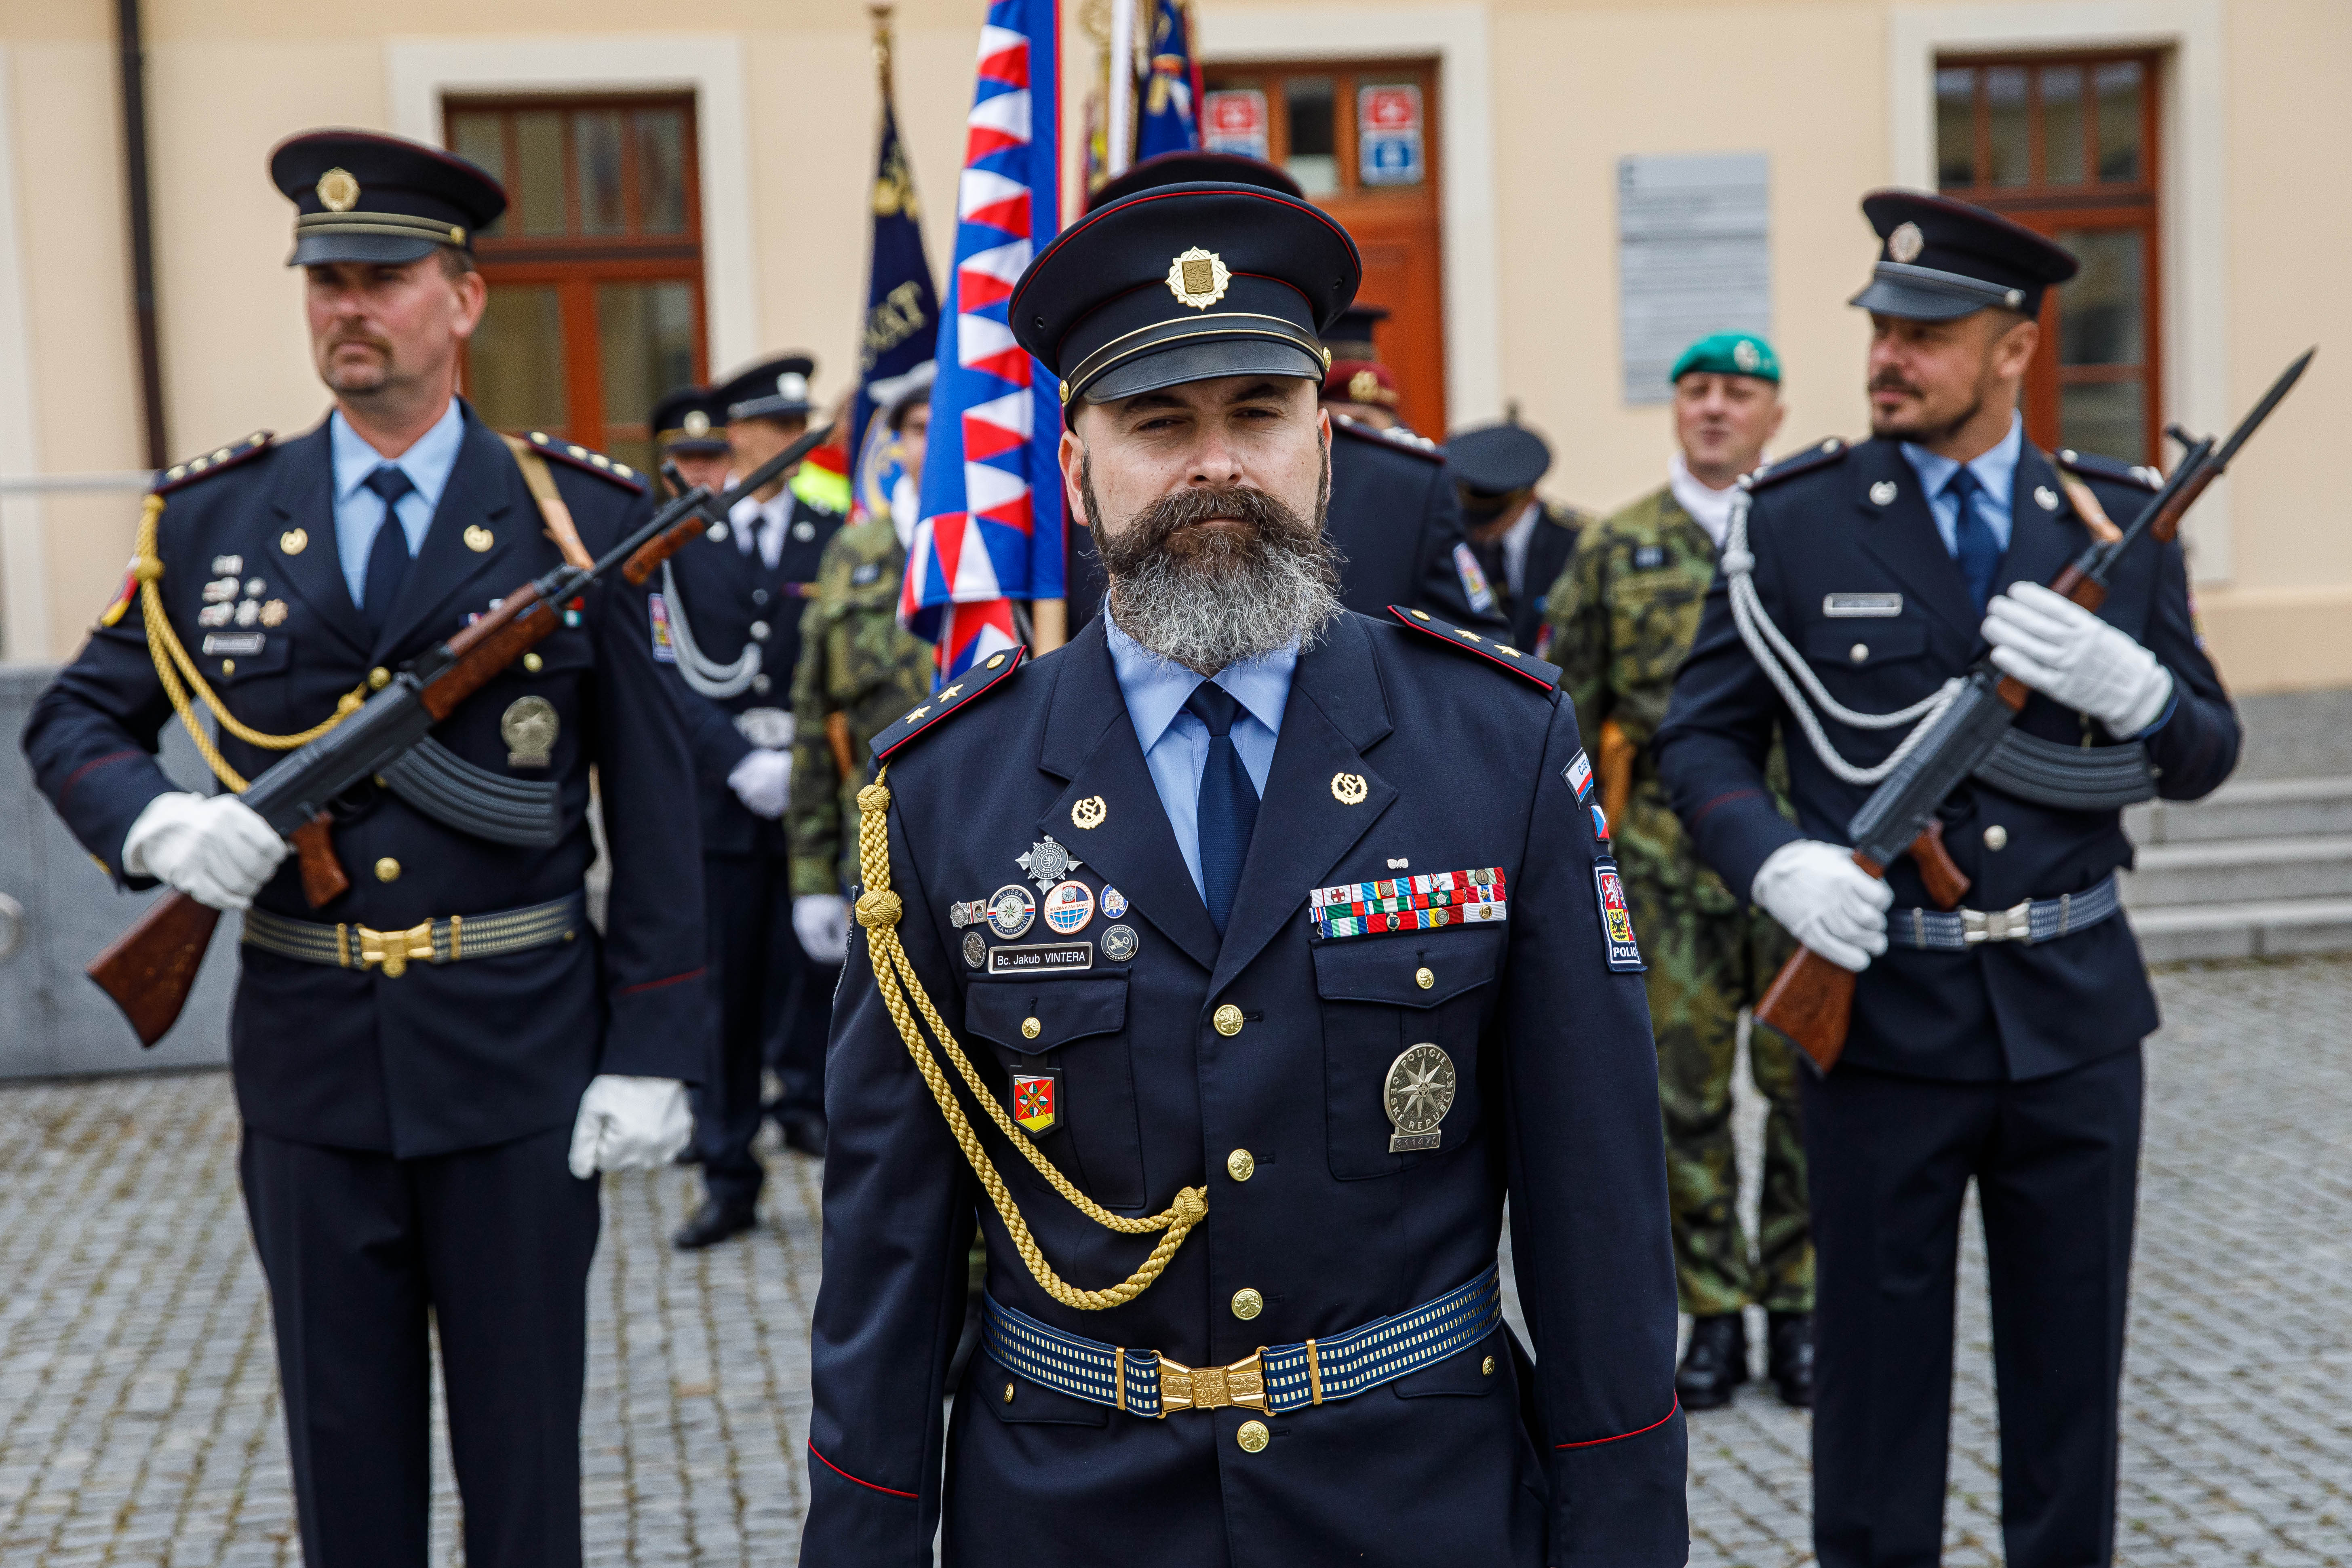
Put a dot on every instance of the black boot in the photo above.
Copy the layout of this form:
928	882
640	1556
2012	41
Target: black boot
1791	1338
1717	1362
713	1222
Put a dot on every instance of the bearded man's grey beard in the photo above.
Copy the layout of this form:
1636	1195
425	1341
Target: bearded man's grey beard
1206	599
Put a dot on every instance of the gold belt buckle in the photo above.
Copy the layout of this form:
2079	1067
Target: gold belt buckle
1185	1387
394	949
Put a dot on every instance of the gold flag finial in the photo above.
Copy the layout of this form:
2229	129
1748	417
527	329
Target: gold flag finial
881	14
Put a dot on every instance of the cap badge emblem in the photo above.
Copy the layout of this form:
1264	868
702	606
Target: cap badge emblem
1198	277
792	384
1363	387
698	423
338	191
1744	355
1905	243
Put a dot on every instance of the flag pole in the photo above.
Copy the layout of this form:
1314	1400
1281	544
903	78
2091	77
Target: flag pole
1120	133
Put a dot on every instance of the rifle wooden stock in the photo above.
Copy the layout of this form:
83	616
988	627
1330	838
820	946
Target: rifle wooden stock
660	548
150	969
323	880
1615	768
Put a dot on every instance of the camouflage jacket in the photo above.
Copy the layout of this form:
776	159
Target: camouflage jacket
1621	617
857	661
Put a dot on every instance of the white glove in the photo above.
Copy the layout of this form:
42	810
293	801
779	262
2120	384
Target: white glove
212	848
762	781
1825	900
2068	654
629	1124
822	923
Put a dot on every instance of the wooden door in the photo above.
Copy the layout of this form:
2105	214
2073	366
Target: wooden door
1361	139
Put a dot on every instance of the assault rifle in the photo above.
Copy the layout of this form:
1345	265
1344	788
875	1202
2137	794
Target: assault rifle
1812	999
149	969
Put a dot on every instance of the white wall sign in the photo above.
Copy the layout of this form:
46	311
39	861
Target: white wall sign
1694	256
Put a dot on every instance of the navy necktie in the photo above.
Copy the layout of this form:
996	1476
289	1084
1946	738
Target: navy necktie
1228	803
1975	545
387	561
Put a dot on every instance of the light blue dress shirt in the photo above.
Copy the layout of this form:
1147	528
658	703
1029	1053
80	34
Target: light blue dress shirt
1996	471
1176	743
359	512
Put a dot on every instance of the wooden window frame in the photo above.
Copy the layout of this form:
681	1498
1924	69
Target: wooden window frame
2091	204
574	263
1347	76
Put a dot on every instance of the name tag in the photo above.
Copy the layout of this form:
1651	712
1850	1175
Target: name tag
1862	607
245	643
1041	958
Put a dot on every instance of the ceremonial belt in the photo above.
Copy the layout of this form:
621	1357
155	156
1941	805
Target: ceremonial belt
429	941
1275	1379
2035	920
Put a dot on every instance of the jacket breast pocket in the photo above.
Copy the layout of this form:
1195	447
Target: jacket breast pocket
1066	1074
1382	998
251	671
1865	646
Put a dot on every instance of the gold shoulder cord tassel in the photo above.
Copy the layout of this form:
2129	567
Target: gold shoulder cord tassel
878	910
164	647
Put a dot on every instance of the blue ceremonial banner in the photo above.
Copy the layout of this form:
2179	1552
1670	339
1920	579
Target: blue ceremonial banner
902	308
1172	101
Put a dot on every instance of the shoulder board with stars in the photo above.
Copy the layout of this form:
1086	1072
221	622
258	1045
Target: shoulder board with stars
1401	440
580	457
1832	450
953	698
180	476
2092	465
1494	650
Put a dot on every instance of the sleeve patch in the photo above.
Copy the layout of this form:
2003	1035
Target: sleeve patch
1616	917
1474	586
1579	774
665	651
1494	650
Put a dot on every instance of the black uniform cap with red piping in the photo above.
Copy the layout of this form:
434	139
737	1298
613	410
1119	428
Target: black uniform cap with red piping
953	698
1185	282
562	451
1494	650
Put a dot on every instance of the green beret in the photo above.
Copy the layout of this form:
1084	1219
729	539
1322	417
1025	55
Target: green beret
1729	353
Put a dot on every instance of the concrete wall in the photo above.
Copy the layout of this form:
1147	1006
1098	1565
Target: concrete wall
52	1019
1542	98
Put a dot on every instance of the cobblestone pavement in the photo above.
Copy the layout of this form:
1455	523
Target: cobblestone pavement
140	1422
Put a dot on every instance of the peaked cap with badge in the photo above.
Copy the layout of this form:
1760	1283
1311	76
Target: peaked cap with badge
410	1055
774	388
691	419
1998	1043
1189	1100
360	197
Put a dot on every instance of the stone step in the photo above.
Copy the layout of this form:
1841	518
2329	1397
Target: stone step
2254	808
2240	870
2265	928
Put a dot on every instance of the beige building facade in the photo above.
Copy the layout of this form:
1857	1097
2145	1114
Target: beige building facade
1533	109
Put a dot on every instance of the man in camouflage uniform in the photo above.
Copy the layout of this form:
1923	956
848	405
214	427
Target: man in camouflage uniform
860	673
1620	618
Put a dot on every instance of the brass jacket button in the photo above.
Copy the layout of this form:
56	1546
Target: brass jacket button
387	869
1252	1437
1228	1019
1008	1393
1486	1367
1423	978
1996	837
1030	1028
379	678
532	664
1247	1304
1241	1165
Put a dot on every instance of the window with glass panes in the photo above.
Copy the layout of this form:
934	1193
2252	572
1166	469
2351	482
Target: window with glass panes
595	270
2066	145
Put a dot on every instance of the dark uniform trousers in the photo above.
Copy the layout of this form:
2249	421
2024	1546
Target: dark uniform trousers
774	1000
2012	1065
1394	747
405	1137
1394	517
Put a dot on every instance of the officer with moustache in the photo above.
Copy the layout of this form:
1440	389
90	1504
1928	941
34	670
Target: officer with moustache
1976	1053
1394	513
733	601
415	1059
1235	962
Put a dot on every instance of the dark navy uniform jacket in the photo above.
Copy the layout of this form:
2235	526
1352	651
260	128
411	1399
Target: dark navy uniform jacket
1818	527
1396	518
1579	1457
446	1057
733	599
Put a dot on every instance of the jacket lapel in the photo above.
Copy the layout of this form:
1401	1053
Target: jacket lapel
2040	540
1900	534
304	498
1303	824
477	495
1090	742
